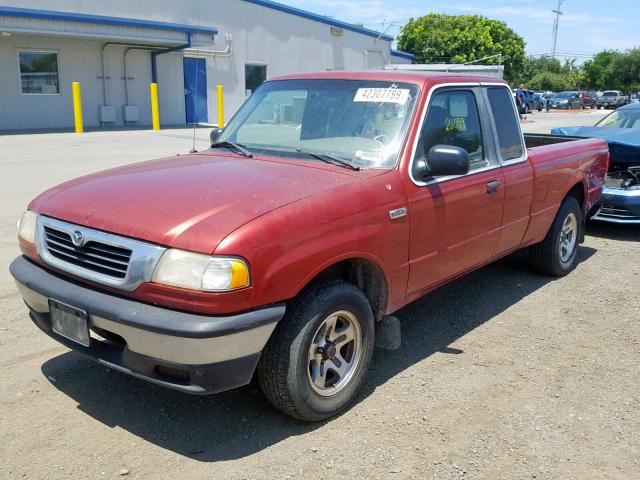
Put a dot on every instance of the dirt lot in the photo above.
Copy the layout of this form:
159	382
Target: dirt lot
501	375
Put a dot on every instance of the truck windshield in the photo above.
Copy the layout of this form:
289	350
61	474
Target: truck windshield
361	122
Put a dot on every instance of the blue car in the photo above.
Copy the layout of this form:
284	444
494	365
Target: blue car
621	196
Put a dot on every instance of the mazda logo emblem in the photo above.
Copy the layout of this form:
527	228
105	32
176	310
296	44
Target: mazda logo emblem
77	238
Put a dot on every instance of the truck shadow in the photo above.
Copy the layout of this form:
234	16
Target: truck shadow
241	422
614	231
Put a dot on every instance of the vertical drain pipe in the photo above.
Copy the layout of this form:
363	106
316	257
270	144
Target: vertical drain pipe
154	63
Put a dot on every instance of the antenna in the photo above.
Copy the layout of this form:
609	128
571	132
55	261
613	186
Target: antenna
195	95
558	12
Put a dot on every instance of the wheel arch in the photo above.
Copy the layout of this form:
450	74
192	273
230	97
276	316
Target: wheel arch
365	273
577	191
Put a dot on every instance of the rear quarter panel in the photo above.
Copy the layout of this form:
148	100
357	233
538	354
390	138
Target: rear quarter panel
557	169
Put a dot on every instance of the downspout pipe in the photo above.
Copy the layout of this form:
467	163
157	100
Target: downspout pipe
154	64
126	68
103	62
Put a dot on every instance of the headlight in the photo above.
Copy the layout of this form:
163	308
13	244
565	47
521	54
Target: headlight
27	226
196	271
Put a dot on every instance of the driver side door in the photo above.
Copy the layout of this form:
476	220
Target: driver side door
455	221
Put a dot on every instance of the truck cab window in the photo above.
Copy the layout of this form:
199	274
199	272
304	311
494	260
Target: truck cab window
509	137
453	119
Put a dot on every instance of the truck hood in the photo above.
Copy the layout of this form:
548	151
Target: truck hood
189	202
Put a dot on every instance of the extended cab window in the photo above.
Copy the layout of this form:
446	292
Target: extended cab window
453	119
504	114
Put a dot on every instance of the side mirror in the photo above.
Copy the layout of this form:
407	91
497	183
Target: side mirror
215	135
443	160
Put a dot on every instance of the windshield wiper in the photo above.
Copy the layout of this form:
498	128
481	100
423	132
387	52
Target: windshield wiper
329	159
236	147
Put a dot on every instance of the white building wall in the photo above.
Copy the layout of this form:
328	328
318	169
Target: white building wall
77	61
285	43
398	60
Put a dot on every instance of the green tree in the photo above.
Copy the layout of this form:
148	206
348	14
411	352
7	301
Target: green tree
439	38
556	82
625	71
599	71
533	66
577	79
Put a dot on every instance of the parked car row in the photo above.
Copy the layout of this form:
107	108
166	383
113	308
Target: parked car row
612	99
571	100
532	101
575	100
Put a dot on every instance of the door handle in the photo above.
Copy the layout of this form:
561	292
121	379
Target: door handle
492	186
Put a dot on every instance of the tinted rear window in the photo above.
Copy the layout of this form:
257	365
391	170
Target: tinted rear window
509	138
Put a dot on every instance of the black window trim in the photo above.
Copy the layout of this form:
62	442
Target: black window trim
19	50
525	156
488	140
255	64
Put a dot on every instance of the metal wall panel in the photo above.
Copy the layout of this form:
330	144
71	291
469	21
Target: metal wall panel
285	43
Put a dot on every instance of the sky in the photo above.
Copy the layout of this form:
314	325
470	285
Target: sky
586	26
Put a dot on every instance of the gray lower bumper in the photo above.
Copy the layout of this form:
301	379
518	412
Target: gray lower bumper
206	354
619	206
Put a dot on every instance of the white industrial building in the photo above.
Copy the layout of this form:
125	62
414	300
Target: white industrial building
116	48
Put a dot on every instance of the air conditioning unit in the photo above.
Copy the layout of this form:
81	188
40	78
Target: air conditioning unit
131	114
107	114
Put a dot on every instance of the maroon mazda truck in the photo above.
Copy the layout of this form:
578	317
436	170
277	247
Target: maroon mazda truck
330	201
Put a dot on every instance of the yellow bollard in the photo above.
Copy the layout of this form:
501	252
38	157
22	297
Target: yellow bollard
220	106
77	107
155	109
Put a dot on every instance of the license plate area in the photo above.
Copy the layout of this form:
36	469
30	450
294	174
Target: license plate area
70	322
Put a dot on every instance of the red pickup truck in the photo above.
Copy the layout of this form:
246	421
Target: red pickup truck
330	201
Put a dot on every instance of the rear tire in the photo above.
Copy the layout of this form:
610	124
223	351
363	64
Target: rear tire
557	254
318	357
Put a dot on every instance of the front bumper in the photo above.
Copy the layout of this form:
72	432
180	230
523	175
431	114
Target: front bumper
619	206
188	352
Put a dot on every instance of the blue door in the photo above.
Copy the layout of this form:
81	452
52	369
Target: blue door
195	90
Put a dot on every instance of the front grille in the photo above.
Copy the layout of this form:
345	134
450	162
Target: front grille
615	211
94	256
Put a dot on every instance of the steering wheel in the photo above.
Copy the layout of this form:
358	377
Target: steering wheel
382	139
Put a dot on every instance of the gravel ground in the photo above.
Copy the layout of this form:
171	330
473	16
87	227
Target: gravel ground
502	374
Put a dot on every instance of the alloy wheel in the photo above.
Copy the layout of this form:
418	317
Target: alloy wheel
335	353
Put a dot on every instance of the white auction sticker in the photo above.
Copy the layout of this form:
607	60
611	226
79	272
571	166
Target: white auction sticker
382	95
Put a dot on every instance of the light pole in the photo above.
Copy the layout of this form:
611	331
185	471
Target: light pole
558	12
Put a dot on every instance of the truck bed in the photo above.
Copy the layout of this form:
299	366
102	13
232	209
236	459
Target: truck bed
532	140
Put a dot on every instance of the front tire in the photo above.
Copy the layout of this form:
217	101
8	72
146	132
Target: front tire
557	254
318	357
